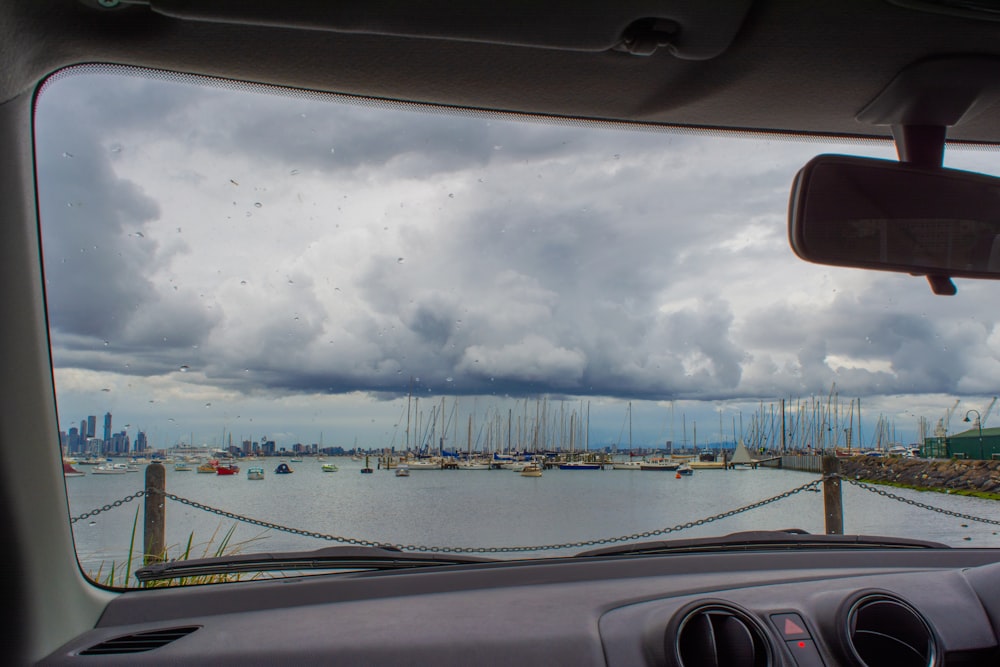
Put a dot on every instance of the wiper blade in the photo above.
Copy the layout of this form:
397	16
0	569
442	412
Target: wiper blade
763	540
329	558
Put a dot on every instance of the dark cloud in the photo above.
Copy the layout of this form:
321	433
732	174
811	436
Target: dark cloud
476	256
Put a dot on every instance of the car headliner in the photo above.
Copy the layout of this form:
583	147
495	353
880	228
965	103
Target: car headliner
781	66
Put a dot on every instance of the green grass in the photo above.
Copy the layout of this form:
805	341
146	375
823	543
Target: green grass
119	575
988	495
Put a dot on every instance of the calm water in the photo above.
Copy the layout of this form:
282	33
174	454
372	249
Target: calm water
494	508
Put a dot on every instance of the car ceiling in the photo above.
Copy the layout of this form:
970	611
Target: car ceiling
772	65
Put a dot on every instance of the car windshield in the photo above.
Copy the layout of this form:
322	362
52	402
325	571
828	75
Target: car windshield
346	321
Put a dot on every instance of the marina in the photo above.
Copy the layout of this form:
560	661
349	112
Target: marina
496	508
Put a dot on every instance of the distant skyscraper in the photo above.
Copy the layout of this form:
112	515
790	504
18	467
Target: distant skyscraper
141	444
91	426
107	427
83	430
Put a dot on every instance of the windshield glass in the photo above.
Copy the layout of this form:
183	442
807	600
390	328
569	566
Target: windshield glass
339	321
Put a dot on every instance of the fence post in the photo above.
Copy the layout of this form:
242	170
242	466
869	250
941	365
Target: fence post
833	506
154	524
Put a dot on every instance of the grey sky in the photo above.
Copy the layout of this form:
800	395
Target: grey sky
215	256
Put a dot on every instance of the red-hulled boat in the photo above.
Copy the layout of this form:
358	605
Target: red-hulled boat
227	469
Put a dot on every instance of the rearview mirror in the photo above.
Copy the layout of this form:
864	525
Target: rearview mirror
892	216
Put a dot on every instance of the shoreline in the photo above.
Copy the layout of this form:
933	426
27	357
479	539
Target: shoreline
964	477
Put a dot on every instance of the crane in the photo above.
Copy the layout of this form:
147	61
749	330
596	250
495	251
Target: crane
944	423
986	412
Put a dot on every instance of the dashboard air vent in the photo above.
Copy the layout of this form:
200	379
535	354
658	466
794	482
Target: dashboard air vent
718	635
883	630
139	642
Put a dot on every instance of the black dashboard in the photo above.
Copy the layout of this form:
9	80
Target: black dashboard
783	607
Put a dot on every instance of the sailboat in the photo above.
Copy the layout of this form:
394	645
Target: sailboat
630	464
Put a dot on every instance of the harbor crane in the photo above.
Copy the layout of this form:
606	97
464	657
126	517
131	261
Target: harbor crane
986	412
944	423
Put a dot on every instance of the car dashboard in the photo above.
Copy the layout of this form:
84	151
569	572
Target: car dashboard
780	607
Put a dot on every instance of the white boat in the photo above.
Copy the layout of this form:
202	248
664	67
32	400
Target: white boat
110	469
659	464
473	465
402	471
427	464
627	465
255	473
182	467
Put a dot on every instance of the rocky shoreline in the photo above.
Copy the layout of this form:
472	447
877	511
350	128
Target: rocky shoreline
946	475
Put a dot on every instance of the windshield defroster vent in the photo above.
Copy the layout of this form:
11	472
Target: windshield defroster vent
139	642
719	635
884	630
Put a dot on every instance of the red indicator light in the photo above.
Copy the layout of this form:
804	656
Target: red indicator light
802	644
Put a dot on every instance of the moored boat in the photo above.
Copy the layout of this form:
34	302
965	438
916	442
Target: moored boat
580	465
330	467
110	469
531	470
659	464
208	467
70	471
255	472
283	469
227	469
182	467
402	470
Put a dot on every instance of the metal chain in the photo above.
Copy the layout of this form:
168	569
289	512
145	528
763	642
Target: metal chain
117	503
908	501
545	547
514	549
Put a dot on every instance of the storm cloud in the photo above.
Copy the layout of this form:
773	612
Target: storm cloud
260	245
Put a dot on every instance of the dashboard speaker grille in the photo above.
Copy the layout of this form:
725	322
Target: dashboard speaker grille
139	642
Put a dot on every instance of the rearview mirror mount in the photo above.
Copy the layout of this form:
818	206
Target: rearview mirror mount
893	216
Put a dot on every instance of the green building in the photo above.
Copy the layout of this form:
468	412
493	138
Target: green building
965	445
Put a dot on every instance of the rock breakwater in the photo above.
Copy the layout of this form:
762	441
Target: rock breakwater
955	475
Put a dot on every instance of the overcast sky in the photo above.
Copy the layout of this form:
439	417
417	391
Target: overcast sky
223	260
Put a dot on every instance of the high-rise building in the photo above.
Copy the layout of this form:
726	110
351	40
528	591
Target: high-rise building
141	443
107	427
91	426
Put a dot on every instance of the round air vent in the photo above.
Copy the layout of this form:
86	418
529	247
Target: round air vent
719	635
884	630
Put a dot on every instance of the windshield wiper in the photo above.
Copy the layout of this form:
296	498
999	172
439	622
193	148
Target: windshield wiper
329	558
763	540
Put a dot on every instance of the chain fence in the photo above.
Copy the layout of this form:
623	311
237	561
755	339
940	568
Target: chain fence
810	486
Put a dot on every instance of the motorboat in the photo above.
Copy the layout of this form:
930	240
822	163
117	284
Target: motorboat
659	464
208	467
627	465
255	472
685	470
580	465
283	469
402	471
330	467
110	469
531	470
182	467
227	469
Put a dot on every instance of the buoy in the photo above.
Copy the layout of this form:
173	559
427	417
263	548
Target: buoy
677	476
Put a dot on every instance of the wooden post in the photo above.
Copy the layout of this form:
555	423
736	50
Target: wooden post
833	506
154	525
